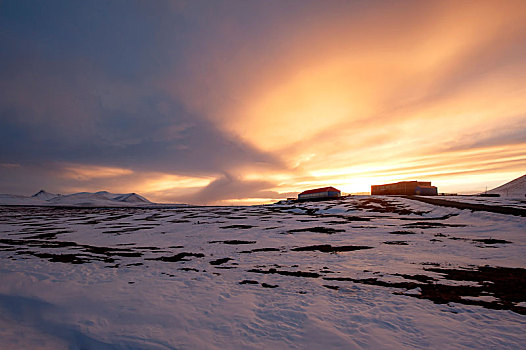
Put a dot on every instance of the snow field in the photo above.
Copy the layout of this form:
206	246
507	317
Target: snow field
256	277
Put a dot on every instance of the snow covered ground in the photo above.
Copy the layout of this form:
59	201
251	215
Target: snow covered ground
502	201
364	272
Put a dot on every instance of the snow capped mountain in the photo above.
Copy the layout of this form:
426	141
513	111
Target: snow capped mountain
43	195
514	188
13	199
131	198
82	199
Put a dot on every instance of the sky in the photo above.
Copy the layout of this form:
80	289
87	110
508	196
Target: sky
246	102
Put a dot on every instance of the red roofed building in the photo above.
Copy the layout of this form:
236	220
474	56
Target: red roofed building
319	193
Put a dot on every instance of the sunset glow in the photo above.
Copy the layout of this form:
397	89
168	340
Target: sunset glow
87	172
347	94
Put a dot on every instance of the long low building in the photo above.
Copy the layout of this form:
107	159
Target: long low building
320	193
422	188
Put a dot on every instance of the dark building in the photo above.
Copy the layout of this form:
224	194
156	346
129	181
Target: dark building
405	188
320	193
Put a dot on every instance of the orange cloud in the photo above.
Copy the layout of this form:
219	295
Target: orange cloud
88	172
362	115
359	95
163	182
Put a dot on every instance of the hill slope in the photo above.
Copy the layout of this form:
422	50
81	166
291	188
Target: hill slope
514	188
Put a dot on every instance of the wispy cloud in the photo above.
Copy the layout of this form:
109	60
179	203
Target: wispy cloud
10	165
89	172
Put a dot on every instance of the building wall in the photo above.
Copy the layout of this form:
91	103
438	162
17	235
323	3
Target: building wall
426	191
319	195
404	188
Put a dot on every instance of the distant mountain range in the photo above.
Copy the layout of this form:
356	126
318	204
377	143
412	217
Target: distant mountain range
514	188
81	199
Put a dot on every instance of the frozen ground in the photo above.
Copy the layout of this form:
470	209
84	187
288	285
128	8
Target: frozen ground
511	202
365	272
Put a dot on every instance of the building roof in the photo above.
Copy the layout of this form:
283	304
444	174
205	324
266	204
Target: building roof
323	189
418	183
